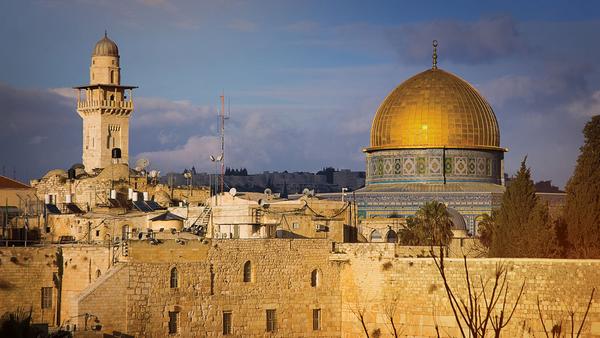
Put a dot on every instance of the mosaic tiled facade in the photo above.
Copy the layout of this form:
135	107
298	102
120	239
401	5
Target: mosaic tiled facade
434	166
471	205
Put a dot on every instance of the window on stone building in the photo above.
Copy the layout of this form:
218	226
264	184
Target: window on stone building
314	278
174	278
295	225
316	319
391	237
97	233
227	323
125	232
375	236
46	297
98	273
173	322
271	320
247	272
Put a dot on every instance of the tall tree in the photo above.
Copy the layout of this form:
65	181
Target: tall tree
522	226
582	209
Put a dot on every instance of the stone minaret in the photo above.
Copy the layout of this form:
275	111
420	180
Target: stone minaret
105	108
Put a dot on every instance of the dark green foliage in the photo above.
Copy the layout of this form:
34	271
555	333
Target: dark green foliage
522	226
430	226
17	324
582	209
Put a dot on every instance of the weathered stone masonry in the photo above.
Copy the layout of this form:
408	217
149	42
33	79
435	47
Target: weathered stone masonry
352	276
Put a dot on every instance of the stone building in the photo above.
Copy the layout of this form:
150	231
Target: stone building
105	108
256	215
21	211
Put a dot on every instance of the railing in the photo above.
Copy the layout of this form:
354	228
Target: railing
105	104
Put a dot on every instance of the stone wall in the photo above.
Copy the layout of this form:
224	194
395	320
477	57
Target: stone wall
106	300
83	265
373	284
136	297
23	273
211	282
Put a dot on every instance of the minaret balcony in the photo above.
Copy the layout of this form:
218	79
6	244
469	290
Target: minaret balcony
105	104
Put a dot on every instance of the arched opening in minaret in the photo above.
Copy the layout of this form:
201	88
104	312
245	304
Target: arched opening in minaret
112	76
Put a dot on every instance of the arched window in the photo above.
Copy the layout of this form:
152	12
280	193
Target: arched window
174	278
314	278
247	272
98	273
391	236
376	236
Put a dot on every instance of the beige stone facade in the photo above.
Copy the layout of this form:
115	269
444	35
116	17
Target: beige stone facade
105	108
253	215
136	294
365	277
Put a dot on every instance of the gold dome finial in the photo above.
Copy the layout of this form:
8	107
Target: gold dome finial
435	44
105	33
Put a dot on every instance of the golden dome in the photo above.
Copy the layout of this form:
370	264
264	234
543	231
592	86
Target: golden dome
435	109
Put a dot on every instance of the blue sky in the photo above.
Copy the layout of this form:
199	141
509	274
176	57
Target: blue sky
304	77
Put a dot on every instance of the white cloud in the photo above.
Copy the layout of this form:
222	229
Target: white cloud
157	111
587	106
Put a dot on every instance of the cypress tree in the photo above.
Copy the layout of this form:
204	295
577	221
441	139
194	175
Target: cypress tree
582	209
522	226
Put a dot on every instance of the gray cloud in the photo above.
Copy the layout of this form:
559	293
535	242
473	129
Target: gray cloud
481	41
44	131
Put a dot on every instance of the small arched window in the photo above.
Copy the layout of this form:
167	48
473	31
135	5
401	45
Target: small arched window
376	236
174	278
391	237
98	273
314	278
247	272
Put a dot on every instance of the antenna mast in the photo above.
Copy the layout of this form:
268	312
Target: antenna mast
223	118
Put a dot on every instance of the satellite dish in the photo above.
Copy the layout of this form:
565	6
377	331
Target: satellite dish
154	173
306	192
212	158
141	164
232	192
263	203
220	158
268	191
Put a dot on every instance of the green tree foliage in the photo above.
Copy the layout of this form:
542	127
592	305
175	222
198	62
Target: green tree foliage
582	209
522	227
485	228
430	226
